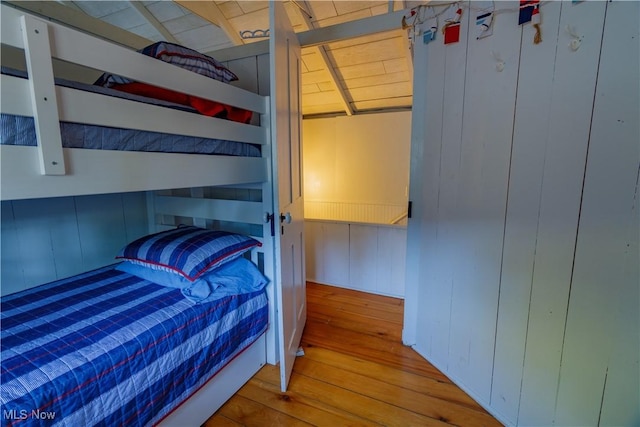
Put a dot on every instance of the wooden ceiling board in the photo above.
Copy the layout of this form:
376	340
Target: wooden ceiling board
325	86
356	41
230	9
166	10
395	65
251	21
99	9
321	10
147	31
308	110
253	6
381	50
393	90
362	70
185	23
204	39
380	79
321	98
379	10
319	76
381	104
361	14
312	60
345	7
309	88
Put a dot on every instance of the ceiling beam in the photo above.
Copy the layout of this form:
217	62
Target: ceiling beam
324	35
56	12
348	30
210	11
326	63
153	21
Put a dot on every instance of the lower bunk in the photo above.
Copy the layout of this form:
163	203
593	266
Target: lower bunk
136	343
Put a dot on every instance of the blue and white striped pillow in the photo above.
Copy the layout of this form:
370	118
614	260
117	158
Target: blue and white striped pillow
187	251
180	56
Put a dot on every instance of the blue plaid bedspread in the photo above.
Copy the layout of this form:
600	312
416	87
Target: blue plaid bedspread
107	348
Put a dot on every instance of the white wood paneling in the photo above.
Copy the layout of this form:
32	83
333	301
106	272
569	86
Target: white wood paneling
367	257
480	205
391	260
11	279
567	133
424	172
102	229
523	207
605	271
49	239
549	250
329	252
444	115
359	159
363	254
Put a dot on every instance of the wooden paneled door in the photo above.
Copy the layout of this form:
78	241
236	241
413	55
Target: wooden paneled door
288	188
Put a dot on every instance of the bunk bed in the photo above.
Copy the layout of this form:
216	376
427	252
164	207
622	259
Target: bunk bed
51	166
50	170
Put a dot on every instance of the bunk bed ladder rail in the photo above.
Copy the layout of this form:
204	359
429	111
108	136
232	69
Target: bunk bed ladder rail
44	104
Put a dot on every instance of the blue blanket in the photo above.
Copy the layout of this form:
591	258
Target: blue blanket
109	348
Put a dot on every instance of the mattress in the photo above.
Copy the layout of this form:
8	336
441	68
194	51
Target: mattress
108	348
20	130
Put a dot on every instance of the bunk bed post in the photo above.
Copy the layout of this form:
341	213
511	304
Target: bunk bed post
268	237
37	50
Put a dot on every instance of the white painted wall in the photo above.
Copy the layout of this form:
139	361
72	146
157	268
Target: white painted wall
365	257
522	259
357	168
356	172
48	239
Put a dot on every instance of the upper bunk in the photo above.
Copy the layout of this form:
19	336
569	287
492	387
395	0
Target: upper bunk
53	166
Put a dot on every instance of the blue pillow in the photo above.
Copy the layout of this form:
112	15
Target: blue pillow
233	278
187	251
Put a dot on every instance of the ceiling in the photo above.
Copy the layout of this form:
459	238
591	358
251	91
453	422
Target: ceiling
349	76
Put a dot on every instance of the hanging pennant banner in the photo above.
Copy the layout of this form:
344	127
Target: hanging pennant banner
526	10
483	23
451	29
430	35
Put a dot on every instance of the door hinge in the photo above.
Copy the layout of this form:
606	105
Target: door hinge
409	209
270	218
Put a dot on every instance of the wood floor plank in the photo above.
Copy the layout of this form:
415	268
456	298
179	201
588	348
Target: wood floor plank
369	348
400	397
218	420
343	398
312	411
440	389
346	309
332	291
355	372
249	413
373	327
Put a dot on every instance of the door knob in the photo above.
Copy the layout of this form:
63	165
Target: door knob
286	218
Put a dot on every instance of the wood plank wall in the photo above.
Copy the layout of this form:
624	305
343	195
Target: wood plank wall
365	257
49	239
523	255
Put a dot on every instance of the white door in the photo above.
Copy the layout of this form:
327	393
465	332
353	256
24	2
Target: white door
288	198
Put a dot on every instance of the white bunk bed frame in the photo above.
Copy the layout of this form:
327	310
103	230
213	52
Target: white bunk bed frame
49	170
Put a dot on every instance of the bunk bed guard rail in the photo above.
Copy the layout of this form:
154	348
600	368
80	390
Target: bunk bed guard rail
39	97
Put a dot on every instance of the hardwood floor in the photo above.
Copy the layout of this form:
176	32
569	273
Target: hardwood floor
355	372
